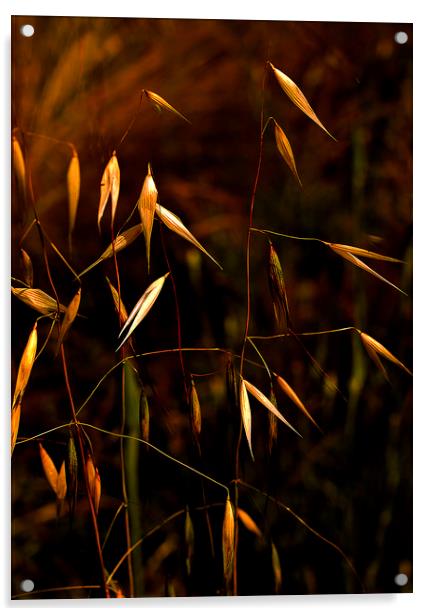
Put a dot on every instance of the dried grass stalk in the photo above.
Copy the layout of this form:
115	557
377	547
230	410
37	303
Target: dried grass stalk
28	267
175	224
277	288
268	404
142	307
73	188
285	150
196	416
297	97
147	207
276	568
249	523
228	533
375	348
295	399
350	257
244	404
94	482
37	299
19	166
69	317
25	366
109	187
160	103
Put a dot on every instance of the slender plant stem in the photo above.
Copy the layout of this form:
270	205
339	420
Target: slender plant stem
292	237
247	320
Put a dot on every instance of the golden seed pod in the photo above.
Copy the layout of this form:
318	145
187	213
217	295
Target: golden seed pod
28	267
18	164
57	480
69	317
228	538
244	404
285	150
94	482
375	349
73	188
277	288
249	523
196	417
109	187
295	398
147	207
267	404
160	103
37	299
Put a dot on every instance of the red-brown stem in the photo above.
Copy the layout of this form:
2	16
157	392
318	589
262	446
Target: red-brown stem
247	323
83	463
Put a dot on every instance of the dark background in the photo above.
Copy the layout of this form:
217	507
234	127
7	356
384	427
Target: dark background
79	80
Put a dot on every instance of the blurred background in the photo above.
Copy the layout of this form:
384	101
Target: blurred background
79	80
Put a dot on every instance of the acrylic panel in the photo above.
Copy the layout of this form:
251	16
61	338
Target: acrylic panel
211	307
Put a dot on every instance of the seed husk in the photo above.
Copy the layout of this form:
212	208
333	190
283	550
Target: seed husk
141	309
94	482
361	252
244	404
353	259
147	207
69	317
285	150
73	188
37	299
109	187
284	385
175	224
25	366
249	523
277	288
189	535
196	416
28	267
297	97
268	404
50	471
160	103
15	419
375	348
228	540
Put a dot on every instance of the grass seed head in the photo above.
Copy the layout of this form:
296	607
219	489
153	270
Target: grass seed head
73	188
49	468
109	187
25	366
94	482
284	385
69	317
285	150
249	523
147	207
160	103
297	97
15	419
228	534
28	267
277	288
38	300
375	348
267	404
196	416
244	404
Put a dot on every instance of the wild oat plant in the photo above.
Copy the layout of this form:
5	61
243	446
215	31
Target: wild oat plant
108	483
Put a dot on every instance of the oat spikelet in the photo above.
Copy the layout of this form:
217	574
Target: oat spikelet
295	399
118	303
375	348
122	240
19	166
109	187
273	423
61	490
297	97
25	366
268	404
160	103
276	568
144	414
147	207
285	150
244	404
196	416
361	252
351	257
28	267
94	482
49	468
69	317
141	309
73	188
249	523
228	540
174	223
37	299
15	419
189	535
278	289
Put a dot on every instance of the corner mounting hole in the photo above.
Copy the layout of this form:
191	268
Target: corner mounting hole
27	30
401	579
27	585
401	38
